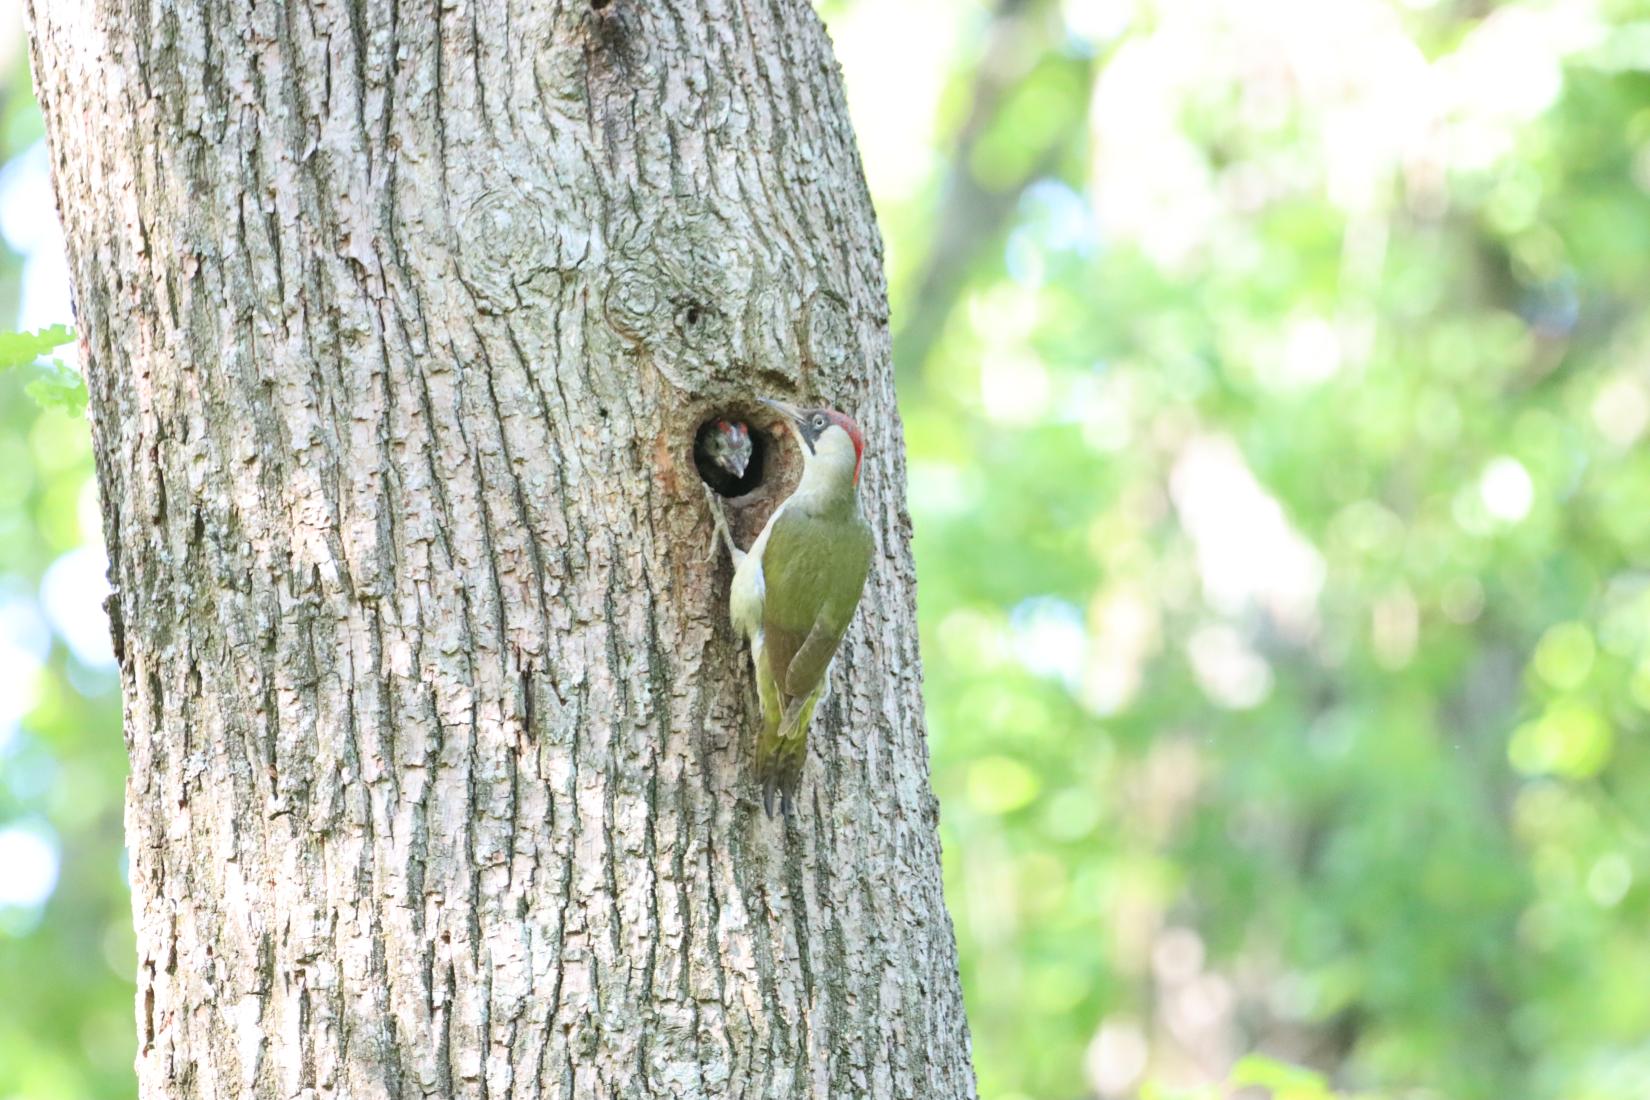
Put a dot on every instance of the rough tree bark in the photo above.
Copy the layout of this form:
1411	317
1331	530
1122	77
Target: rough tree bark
398	323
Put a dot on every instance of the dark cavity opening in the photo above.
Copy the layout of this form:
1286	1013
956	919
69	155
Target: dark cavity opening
719	436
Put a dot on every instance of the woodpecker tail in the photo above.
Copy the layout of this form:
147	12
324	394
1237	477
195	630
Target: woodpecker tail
780	752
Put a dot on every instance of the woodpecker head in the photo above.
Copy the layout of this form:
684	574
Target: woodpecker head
728	444
829	438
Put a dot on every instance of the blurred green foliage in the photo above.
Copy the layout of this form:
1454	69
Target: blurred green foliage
1276	378
66	956
1282	505
21	349
56	385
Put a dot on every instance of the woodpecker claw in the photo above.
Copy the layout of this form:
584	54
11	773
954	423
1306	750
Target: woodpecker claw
719	530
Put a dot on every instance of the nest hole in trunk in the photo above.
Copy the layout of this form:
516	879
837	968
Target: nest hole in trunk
770	475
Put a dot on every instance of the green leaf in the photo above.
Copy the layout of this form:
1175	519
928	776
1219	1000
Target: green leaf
19	349
1284	1081
1152	1090
59	387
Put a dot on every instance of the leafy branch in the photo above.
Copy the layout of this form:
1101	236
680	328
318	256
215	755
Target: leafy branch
57	385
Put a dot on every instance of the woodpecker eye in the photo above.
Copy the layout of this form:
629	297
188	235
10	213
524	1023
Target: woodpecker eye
819	422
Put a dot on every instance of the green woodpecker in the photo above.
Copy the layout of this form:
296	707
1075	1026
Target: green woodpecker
796	590
727	445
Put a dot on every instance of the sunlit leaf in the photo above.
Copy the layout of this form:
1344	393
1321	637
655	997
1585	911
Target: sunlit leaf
59	387
19	349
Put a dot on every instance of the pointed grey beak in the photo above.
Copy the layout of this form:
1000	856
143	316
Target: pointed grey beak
791	412
798	422
739	461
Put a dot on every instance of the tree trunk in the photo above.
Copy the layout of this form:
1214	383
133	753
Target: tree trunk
398	324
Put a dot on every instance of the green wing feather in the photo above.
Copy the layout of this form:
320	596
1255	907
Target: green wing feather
813	572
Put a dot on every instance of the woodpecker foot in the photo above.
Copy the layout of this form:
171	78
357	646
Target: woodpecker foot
768	790
720	532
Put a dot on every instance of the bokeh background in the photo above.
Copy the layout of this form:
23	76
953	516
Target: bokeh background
1276	375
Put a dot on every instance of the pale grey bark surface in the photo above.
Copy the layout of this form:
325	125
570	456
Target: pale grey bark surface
398	321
